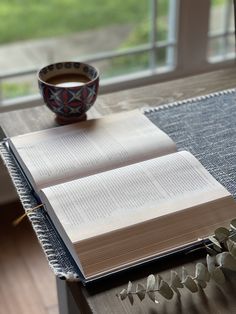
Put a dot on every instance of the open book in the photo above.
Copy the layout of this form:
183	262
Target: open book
118	192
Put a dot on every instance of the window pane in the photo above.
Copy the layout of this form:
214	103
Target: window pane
123	65
221	16
162	20
161	56
230	44
217	15
221	30
215	48
19	86
49	31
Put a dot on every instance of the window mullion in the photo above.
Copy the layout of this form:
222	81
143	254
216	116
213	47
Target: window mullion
193	35
227	12
153	33
172	30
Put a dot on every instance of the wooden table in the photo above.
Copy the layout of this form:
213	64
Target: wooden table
102	299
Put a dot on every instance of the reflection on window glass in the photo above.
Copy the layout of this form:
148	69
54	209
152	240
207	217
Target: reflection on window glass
161	56
231	44
221	30
215	47
162	20
47	31
123	65
19	86
217	15
36	33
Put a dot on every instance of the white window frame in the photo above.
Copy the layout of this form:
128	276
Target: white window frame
188	42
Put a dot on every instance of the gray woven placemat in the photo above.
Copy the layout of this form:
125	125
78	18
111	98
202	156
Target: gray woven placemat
204	126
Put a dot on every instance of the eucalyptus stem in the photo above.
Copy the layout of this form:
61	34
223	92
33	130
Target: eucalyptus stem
222	254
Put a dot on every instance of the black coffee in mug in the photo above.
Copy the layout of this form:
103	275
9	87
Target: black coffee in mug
68	80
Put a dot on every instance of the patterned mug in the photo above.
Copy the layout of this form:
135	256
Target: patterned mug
69	89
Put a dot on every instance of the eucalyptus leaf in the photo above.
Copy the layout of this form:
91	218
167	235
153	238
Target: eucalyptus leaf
129	287
175	280
202	283
221	234
123	294
233	224
233	235
226	260
211	263
216	243
158	281
152	296
151	283
131	298
218	276
184	273
202	273
210	250
176	291
190	284
140	291
165	290
231	245
215	263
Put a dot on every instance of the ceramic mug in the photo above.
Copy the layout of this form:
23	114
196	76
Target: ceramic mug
69	89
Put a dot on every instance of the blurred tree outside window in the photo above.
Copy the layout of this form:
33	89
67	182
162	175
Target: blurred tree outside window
121	37
35	33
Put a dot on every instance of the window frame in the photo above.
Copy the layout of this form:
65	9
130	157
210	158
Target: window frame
189	39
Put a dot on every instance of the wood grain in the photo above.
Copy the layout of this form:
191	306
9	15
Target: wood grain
27	285
38	118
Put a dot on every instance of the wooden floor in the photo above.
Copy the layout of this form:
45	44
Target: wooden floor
27	285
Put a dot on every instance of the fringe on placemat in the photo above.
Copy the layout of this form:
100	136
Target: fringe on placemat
188	101
57	257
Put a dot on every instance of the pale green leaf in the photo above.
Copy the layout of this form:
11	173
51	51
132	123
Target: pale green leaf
176	291
221	234
140	291
210	250
226	260
129	287
233	224
231	245
216	243
218	276
152	296
211	262
158	281
233	235
202	283
123	294
165	290
190	284
184	273
175	280
131	298
151	283
201	272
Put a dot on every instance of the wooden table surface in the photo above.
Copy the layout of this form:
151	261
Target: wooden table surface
102	298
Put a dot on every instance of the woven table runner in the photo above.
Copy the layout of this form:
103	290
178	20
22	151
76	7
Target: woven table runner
205	126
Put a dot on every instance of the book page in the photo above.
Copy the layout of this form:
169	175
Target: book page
122	197
65	153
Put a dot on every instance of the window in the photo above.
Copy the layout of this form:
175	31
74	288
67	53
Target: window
138	42
221	31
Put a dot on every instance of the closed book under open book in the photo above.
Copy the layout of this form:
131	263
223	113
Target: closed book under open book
118	192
